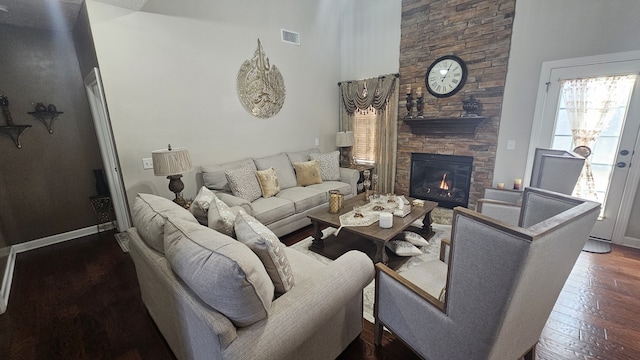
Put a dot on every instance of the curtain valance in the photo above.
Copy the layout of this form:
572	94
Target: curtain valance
361	94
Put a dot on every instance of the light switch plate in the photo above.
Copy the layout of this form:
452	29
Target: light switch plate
147	163
511	144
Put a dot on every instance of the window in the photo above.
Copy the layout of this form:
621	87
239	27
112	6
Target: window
365	132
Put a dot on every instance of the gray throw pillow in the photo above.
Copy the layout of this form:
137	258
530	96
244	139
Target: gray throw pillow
329	165
244	183
222	272
149	214
268	248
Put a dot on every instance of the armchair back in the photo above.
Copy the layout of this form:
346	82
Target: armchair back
502	282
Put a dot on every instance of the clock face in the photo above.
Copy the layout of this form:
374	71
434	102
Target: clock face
446	76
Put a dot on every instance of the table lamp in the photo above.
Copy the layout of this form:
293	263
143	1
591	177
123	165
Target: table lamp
345	140
172	163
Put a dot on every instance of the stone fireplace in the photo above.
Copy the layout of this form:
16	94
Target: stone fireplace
445	179
479	32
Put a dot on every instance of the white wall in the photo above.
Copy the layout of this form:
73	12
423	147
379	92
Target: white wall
546	30
170	70
370	38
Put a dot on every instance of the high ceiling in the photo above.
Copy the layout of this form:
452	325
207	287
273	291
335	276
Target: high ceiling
51	14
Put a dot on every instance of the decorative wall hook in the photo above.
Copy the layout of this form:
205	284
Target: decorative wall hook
11	130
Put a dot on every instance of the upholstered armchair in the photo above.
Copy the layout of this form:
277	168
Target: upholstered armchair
499	286
554	170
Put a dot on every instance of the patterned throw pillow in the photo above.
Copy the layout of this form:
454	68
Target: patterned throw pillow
403	248
221	217
413	238
200	205
329	165
244	183
308	173
268	182
269	249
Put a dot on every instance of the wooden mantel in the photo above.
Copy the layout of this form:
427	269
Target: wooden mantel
444	126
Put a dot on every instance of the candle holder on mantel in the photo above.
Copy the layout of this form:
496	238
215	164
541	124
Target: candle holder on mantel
420	106
409	105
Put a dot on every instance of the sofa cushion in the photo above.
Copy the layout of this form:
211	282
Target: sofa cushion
307	173
301	156
326	186
303	198
269	249
244	183
200	205
221	217
268	210
214	175
283	168
329	165
269	183
149	214
224	273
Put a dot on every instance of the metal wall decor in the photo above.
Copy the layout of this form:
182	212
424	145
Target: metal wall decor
260	86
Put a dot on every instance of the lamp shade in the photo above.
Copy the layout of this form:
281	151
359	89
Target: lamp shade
171	161
345	139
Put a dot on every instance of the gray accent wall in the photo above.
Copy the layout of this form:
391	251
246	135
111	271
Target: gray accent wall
45	186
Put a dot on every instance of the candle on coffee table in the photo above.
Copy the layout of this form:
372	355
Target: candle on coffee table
386	220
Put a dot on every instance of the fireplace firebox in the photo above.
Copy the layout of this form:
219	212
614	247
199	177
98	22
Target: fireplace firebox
445	179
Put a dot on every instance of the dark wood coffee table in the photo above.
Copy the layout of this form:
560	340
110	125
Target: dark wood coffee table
369	239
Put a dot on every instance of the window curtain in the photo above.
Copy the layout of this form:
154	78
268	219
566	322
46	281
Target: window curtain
589	104
381	93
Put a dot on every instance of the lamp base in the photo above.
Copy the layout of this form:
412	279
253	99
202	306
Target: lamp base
176	186
345	156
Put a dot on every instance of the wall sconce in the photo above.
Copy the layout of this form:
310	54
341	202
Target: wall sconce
11	130
172	163
345	141
46	115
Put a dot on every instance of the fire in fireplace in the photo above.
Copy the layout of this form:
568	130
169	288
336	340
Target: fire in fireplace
445	179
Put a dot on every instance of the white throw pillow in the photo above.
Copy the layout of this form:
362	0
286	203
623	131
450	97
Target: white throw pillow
221	217
200	205
269	249
413	238
403	248
329	165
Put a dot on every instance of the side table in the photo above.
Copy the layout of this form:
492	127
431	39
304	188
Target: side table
361	169
103	209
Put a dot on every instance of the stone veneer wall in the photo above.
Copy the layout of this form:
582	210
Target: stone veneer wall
479	32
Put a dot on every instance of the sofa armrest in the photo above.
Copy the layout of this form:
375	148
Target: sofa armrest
351	177
232	201
299	313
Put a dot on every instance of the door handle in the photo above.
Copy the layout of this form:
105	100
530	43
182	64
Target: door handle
621	164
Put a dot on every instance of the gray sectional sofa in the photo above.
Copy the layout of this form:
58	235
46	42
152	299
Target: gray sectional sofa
212	296
286	211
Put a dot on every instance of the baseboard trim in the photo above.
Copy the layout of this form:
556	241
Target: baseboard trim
631	242
7	279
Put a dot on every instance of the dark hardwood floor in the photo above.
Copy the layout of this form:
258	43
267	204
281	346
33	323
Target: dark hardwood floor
80	300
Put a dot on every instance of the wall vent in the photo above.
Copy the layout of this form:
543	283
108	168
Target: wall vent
290	37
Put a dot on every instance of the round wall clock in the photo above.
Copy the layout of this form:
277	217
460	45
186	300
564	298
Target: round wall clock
446	76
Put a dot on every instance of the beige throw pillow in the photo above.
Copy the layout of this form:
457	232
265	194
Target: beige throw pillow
269	249
403	248
268	182
308	173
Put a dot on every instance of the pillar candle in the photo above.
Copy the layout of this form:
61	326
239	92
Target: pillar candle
386	220
500	186
409	89
517	183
